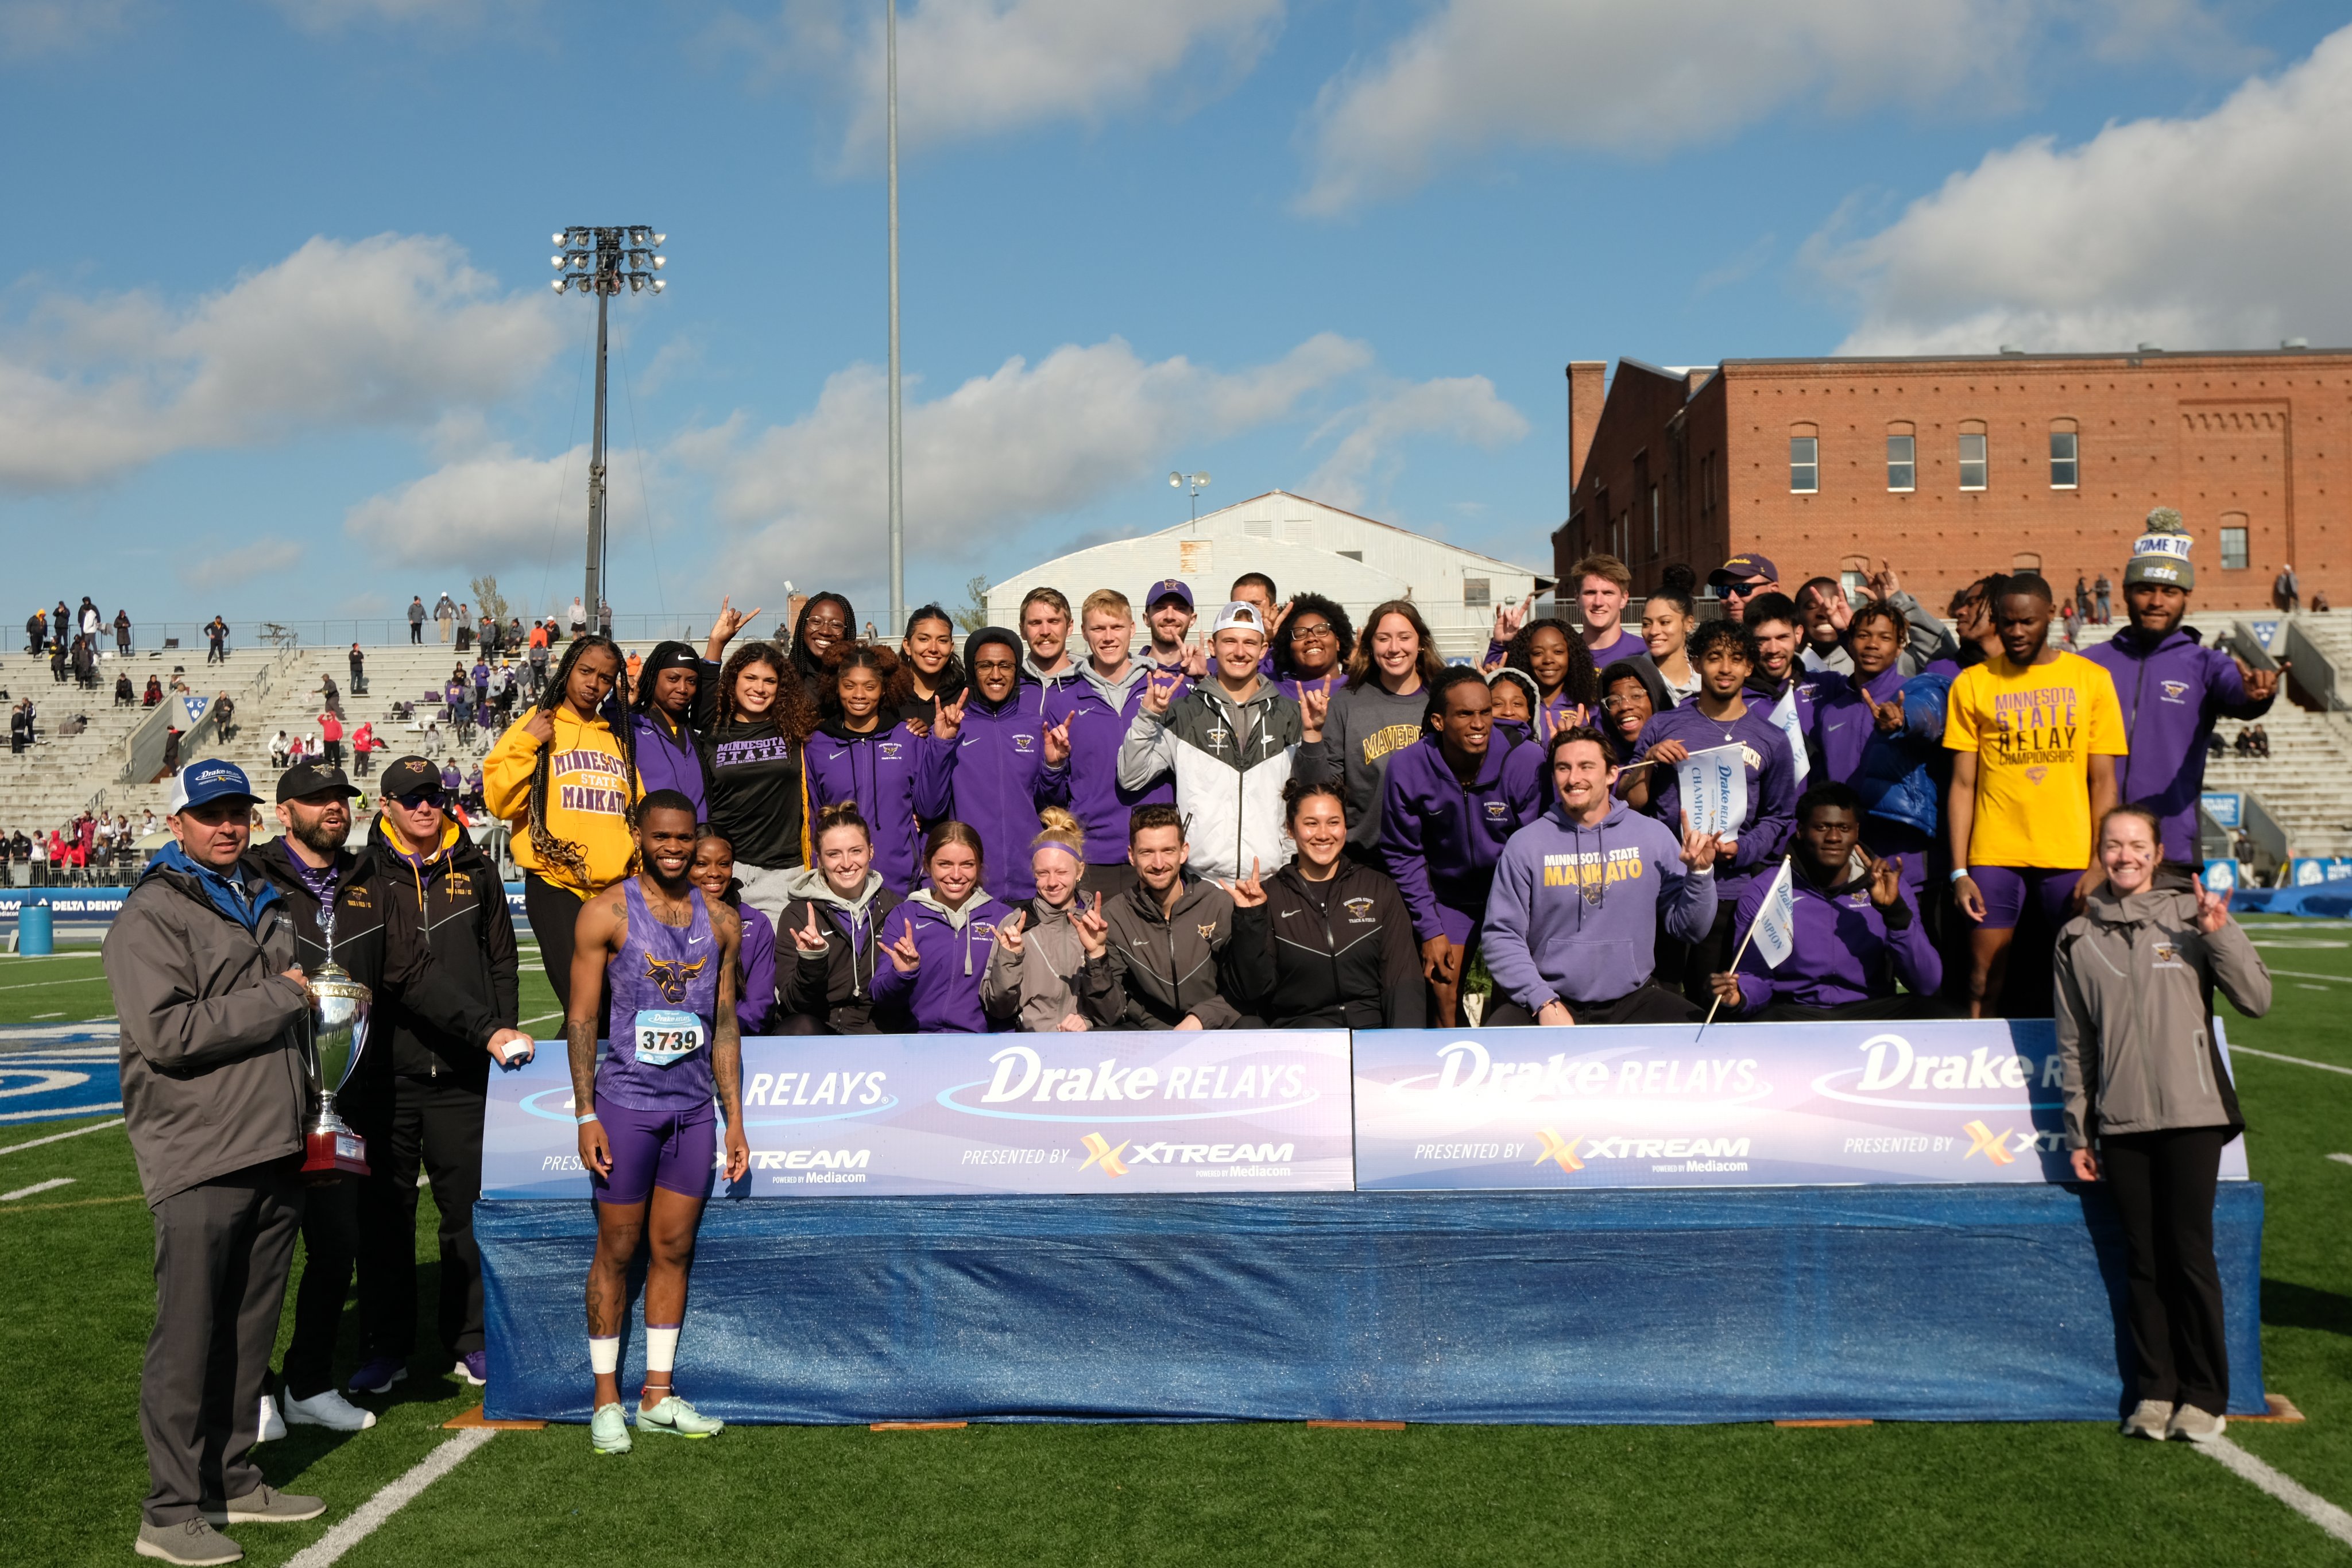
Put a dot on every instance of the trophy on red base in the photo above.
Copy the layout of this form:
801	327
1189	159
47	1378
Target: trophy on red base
338	1021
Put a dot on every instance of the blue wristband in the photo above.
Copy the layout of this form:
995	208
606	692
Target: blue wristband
1959	871
584	1121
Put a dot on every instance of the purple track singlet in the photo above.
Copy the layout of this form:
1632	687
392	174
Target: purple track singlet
663	989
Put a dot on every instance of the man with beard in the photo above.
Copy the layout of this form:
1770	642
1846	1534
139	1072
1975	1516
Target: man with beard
668	957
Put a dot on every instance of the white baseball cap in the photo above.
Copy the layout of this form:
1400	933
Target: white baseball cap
1240	613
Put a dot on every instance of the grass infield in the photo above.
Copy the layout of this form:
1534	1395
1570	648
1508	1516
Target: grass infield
78	1259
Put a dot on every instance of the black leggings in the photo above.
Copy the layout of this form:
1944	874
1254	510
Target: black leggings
554	914
2163	1187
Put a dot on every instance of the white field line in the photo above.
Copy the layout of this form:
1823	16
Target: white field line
61	1137
60	980
58	1113
2284	1488
2299	1061
2339	1159
541	1018
362	1522
2307	975
50	1186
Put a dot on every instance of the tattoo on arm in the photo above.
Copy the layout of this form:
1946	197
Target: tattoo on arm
727	1045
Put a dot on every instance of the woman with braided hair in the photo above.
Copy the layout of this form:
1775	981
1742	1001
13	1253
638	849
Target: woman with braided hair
564	777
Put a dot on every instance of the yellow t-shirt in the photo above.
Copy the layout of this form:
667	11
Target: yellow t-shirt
2034	731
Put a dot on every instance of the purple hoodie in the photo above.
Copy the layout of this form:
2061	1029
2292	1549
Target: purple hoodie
1573	914
1847	950
1441	836
898	782
758	999
943	993
2172	694
997	766
1102	711
669	759
1771	782
1842	722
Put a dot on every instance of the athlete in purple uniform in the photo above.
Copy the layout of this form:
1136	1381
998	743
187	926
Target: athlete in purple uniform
668	957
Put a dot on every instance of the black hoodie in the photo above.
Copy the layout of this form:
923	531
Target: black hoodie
1330	955
452	954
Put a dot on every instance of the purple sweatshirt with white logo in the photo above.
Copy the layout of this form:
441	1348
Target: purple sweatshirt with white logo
1847	949
1771	782
1573	912
2172	689
996	766
1440	837
898	782
943	993
1099	712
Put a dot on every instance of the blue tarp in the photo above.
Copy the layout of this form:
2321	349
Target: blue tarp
2328	900
1918	1302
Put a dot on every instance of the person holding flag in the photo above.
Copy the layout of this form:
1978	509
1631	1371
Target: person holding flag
1833	932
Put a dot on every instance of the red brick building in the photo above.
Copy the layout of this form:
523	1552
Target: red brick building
1954	467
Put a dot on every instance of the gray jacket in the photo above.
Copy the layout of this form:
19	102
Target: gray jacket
1365	724
1035	984
2135	994
213	1080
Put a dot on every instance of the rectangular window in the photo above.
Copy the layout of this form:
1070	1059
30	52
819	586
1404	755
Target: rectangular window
2233	549
1657	527
1972	461
1475	591
1258	527
1856	585
2063	466
1902	463
1804	464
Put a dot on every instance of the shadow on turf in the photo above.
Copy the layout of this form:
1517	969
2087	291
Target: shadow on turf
2291	1306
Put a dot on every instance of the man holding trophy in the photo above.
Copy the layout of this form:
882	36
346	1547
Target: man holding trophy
217	1018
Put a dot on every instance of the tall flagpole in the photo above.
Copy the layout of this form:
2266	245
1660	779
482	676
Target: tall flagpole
898	512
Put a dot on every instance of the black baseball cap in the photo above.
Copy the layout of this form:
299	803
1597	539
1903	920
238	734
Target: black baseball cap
312	779
411	776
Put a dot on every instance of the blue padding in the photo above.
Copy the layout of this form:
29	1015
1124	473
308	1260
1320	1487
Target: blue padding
1914	1302
2324	899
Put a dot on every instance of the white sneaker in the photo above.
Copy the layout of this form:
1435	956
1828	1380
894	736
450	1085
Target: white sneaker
330	1409
273	1426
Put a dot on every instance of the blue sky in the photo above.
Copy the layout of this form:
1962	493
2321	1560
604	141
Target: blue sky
276	338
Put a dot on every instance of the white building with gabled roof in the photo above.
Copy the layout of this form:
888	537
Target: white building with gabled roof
1306	547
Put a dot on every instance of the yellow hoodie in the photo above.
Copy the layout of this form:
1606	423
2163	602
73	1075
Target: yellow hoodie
588	792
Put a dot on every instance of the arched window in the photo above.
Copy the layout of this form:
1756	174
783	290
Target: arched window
2236	551
2025	560
1804	459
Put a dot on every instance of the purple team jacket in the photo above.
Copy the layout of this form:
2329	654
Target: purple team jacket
667	759
1101	711
759	996
2171	692
1442	837
943	993
1846	949
996	766
1772	783
898	782
1842	722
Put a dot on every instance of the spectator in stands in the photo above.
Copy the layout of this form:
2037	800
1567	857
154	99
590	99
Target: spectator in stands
2081	599
122	633
1741	578
41	861
358	662
58	662
216	642
1329	944
364	746
2103	591
2149	1106
2172	691
124	694
93	625
1156	955
171	751
510	643
457	691
2262	742
445	614
416	618
2034	734
225	717
330	735
154	693
636	662
2069	624
2286	590
2319	601
464	622
604	620
480	677
578	619
20	726
1574	915
540	640
485	633
85	662
37	632
1856	932
60	622
279	748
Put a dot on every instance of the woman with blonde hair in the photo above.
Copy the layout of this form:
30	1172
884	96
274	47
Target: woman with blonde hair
1378	712
2149	1106
1038	949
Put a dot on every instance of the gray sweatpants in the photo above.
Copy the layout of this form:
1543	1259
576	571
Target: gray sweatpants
222	1252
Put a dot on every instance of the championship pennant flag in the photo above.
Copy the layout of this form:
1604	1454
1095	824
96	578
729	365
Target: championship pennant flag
1784	716
1775	931
1714	789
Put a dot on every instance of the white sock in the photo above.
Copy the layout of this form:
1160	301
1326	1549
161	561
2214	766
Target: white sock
603	1354
661	1351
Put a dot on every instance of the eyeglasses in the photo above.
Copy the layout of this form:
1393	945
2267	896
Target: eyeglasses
1320	631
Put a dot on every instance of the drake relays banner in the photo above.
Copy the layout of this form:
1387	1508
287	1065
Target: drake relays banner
1750	1104
845	1115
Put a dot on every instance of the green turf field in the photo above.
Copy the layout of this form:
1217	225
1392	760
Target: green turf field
78	1302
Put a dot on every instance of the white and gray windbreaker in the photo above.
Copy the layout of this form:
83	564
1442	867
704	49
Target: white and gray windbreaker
1231	762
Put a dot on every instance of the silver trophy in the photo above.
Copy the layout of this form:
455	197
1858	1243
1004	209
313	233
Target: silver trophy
338	1021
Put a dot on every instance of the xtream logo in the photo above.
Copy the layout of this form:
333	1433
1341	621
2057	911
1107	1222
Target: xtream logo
1216	1160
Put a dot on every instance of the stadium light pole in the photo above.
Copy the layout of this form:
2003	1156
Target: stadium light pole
602	262
1198	482
897	491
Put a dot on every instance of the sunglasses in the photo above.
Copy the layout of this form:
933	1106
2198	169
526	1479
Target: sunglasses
418	798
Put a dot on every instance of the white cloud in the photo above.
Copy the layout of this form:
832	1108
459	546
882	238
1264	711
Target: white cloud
480	512
2223	231
1646	78
231	568
32	28
978	67
393	331
1463	408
